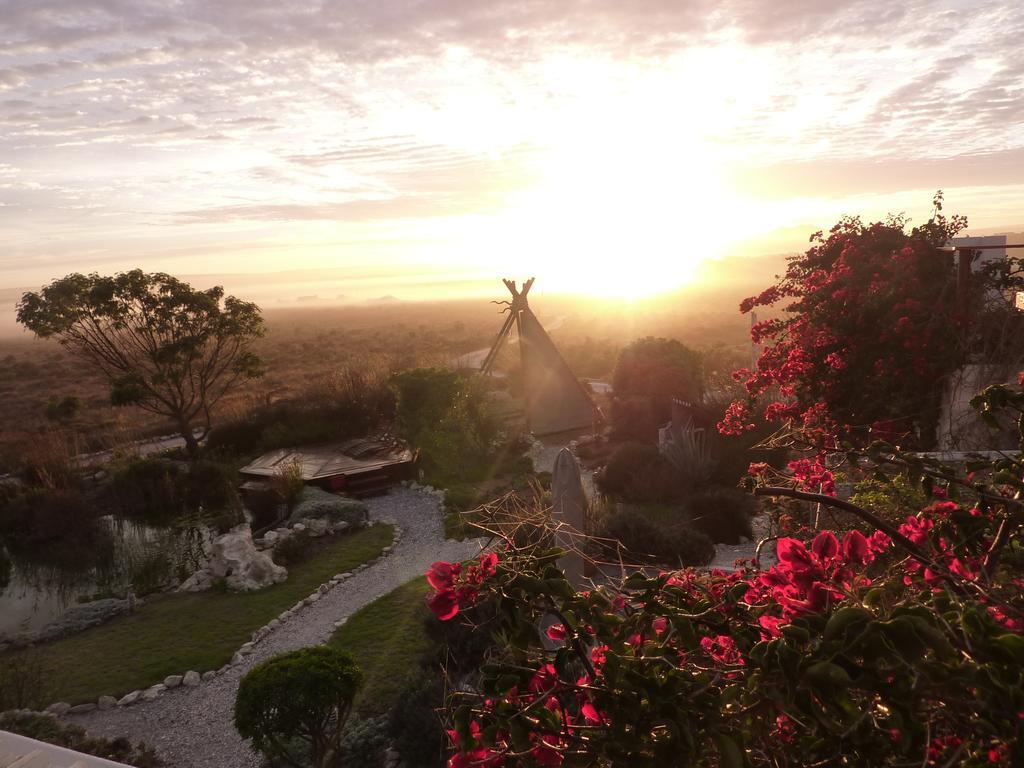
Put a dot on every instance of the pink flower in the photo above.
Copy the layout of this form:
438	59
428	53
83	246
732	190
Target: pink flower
444	604
556	632
856	548
442	575
825	545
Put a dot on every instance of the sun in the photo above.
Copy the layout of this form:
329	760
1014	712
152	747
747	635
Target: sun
624	220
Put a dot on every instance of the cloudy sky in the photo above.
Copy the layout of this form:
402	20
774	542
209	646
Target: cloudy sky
604	144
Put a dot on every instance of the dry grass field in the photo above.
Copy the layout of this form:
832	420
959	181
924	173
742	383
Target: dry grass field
303	346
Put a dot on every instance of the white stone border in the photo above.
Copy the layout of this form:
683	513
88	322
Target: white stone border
191	679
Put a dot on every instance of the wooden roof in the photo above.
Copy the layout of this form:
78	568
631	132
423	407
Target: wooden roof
352	457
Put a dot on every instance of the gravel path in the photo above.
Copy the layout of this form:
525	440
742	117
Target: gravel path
193	728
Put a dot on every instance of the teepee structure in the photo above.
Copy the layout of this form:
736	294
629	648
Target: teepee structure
555	399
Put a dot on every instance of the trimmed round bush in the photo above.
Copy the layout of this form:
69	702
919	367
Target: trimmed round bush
723	514
676	544
304	697
638	472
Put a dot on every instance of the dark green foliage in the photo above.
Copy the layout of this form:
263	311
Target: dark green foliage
159	492
54	527
265	507
164	346
352	403
364	741
23	682
651	372
304	695
236	437
414	723
445	415
149	490
51	730
722	514
638	472
675	544
62	410
293	549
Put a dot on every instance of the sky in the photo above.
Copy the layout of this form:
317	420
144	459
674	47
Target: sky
606	146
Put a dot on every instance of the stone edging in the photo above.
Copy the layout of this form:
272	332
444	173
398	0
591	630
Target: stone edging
192	679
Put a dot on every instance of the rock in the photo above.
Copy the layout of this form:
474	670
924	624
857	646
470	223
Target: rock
270	538
129	698
298	606
209	675
237	659
340	526
284	616
235	559
173	681
60	708
153	691
191	679
246	649
313	598
82	617
103	703
346	575
273	624
323	588
298	528
82	709
316	527
318	503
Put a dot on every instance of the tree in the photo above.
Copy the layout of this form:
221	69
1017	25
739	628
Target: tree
649	374
304	696
164	346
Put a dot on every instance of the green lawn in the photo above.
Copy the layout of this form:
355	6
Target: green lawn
389	640
174	633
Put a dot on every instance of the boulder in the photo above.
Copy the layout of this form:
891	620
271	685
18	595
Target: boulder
82	709
298	527
209	675
129	698
235	559
153	691
316	527
270	538
60	708
316	503
106	702
191	679
173	681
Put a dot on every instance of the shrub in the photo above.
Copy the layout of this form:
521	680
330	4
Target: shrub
414	723
149	490
446	416
722	514
54	527
292	549
677	544
23	682
316	502
159	492
304	695
235	437
365	740
288	483
46	728
651	372
638	472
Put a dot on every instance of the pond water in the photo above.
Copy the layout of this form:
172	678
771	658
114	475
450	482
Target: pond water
37	588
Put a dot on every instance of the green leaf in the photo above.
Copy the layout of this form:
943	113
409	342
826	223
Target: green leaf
1013	644
828	673
845	618
729	752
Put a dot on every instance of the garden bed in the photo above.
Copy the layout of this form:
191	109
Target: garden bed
176	632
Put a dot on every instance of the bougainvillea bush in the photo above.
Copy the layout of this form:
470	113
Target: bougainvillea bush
899	646
870	327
